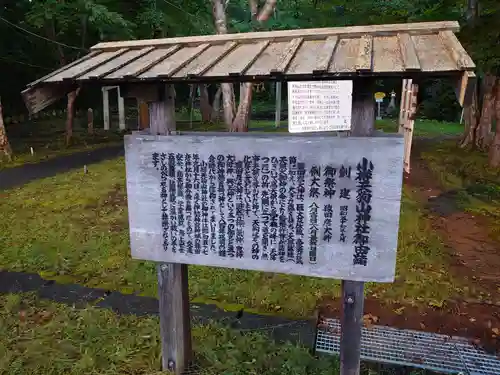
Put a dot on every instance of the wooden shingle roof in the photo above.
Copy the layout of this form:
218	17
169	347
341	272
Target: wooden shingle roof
329	53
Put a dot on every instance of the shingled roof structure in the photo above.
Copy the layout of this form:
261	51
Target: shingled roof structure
329	53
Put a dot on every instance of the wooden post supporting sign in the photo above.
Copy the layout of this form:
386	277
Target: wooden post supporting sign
362	125
173	294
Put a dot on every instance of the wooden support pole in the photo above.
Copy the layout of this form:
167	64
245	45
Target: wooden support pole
105	108
363	123
175	318
121	110
278	104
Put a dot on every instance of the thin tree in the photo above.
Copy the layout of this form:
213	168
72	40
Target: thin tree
4	141
237	120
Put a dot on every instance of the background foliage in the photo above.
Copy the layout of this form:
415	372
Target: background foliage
36	36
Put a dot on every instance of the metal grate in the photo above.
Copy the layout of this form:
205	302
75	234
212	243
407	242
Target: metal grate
428	351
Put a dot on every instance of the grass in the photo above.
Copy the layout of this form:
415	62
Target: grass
46	137
42	337
468	172
423	127
74	228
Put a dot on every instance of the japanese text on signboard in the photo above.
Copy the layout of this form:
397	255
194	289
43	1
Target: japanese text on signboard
314	206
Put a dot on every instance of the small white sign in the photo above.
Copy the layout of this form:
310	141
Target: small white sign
316	106
379	100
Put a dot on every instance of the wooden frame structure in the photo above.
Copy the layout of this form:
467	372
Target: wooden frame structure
105	107
148	69
406	122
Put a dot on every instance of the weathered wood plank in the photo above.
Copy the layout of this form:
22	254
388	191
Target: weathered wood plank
387	54
174	62
348	32
86	66
287	56
456	50
143	63
408	126
365	55
326	54
345	57
330	257
408	52
78	61
465	87
236	60
206	60
268	59
39	97
250	59
115	64
432	54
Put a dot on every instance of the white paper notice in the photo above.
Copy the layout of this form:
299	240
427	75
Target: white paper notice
316	106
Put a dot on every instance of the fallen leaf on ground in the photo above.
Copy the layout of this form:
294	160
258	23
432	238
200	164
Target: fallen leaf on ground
399	310
496	331
472	320
422	325
369	320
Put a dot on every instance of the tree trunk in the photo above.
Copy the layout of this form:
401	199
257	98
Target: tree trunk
483	138
216	105
494	154
205	107
472	12
238	122
70	114
471	122
4	141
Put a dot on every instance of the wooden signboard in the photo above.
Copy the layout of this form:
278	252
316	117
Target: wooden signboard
310	205
319	106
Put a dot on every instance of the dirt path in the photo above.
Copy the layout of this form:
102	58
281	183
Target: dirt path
474	258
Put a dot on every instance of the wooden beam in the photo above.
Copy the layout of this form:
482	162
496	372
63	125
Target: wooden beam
346	32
